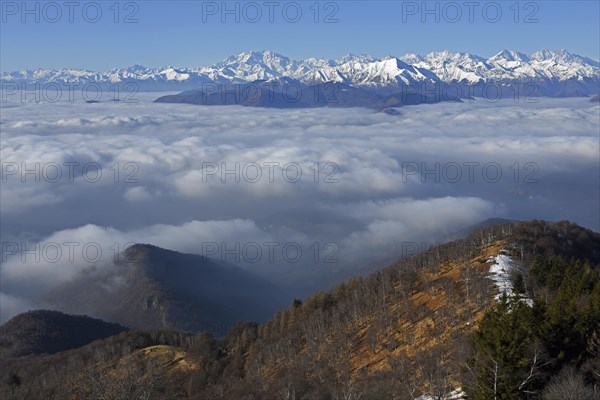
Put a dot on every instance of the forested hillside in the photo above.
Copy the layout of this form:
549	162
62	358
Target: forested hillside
425	326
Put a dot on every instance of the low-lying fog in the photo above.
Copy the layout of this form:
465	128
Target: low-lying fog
302	197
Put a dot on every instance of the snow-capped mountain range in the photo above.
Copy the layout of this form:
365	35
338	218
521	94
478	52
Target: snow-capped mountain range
556	72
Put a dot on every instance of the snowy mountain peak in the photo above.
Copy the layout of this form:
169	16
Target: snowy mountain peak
508	55
551	68
257	57
443	55
411	58
361	58
135	68
562	55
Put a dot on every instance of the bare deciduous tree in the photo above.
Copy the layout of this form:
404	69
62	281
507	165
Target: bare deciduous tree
569	385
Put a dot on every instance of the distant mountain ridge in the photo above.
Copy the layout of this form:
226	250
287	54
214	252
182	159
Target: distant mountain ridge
555	73
44	331
282	94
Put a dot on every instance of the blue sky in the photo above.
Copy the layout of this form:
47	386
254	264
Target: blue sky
192	33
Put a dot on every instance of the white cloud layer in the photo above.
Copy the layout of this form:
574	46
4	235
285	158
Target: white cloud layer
363	181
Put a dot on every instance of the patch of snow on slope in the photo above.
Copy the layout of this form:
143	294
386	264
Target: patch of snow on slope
501	273
456	394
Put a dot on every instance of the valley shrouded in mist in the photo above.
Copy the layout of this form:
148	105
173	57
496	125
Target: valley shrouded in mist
221	180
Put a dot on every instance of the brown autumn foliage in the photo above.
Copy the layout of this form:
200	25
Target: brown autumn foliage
398	333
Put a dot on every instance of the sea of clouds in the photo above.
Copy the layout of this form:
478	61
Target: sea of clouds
351	189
